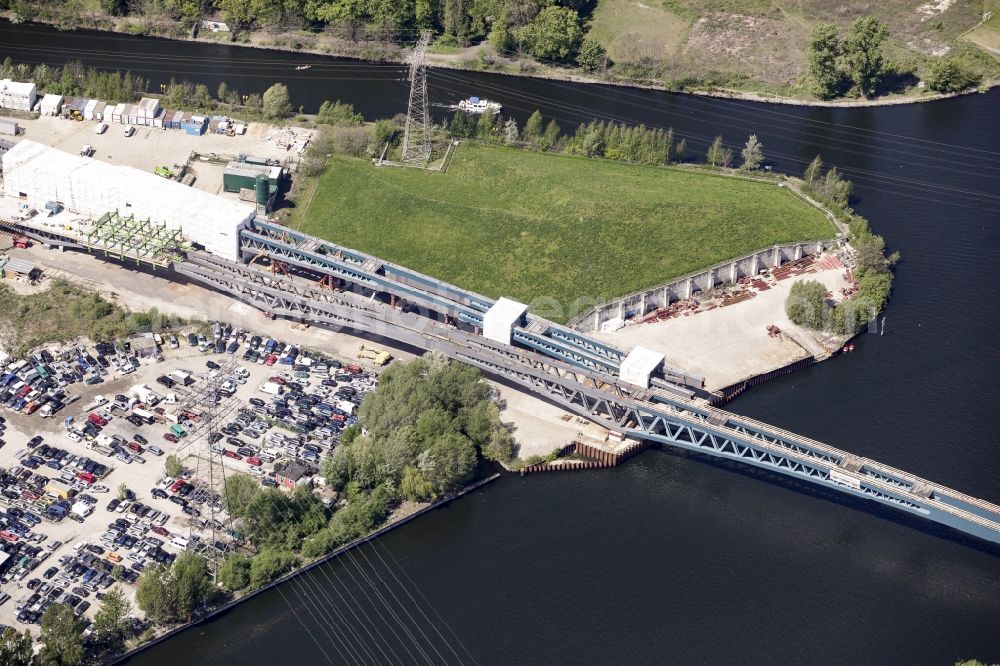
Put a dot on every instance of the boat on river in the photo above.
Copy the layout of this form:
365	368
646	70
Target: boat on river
300	67
479	105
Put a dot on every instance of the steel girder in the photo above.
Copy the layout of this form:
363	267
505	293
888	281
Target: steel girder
601	399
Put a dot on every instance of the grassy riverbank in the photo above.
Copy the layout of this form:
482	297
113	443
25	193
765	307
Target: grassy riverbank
751	49
534	226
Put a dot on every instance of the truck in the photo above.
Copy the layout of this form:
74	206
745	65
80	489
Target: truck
145	394
271	388
376	356
21	241
182	377
87	150
95	403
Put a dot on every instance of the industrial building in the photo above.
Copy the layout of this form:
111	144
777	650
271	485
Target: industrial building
38	175
259	179
17	95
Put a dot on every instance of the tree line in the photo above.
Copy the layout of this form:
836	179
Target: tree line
856	65
636	144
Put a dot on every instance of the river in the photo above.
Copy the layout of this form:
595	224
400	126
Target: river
674	558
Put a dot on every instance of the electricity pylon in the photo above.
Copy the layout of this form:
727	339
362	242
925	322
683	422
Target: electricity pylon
417	137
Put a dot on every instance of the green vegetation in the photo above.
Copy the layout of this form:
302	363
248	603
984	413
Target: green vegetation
64	312
172	466
873	272
778	47
561	232
951	75
16	649
276	102
112	625
172	594
61	637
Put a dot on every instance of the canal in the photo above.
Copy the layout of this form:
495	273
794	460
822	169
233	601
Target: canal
671	558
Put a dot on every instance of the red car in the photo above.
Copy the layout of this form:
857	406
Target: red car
233	455
97	420
156	529
271	359
178	484
23	391
254	460
170	437
9	537
133	446
86	476
277	380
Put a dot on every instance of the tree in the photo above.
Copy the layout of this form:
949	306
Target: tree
190	582
949	76
122	491
61	636
806	304
551	136
824	49
222	94
716	152
276	102
501	36
814	170
172	466
863	47
269	564
484	126
510	132
680	150
234	572
240	490
554	33
414	487
154	595
16	649
592	57
111	623
338	113
449	462
752	153
533	127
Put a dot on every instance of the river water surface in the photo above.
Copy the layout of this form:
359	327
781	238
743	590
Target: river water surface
671	558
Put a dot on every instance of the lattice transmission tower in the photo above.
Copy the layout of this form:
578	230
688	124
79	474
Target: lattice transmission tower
417	137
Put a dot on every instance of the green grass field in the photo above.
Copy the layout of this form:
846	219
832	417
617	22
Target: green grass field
557	232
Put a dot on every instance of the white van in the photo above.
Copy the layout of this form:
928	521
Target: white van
179	543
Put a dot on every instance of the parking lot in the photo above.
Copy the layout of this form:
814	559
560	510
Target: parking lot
85	498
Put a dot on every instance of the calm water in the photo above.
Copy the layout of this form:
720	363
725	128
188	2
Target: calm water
672	558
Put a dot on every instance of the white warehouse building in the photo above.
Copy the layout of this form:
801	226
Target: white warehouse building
17	95
38	174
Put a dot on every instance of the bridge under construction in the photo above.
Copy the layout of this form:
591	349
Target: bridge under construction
297	276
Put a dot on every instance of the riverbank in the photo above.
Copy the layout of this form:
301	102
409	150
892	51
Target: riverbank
394	522
478	60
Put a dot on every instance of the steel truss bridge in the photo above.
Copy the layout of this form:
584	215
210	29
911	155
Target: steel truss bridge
300	277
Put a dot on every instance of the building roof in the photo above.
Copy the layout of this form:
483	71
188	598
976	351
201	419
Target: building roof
292	470
500	319
92	188
25	88
15	265
142	342
639	365
50	98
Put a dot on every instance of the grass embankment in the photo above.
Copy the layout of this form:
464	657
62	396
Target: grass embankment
531	226
65	312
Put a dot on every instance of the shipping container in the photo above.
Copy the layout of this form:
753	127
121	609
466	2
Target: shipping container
88	109
8	127
117	112
178	119
99	111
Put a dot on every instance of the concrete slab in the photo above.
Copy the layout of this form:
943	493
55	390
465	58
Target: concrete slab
729	344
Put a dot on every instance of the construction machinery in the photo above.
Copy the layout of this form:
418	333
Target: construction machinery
376	356
21	242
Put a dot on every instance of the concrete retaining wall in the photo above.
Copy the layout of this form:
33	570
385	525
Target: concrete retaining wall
596	458
727	272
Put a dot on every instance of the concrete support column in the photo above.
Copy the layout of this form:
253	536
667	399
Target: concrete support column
689	288
734	272
777	257
798	251
642	304
754	265
621	310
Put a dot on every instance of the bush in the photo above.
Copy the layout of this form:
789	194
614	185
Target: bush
270	564
949	75
806	304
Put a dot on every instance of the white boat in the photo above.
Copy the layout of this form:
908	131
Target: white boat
479	105
303	67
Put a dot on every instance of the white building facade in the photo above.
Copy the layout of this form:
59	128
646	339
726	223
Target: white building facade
17	95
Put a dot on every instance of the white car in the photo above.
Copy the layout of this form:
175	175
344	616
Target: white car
101	128
129	131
